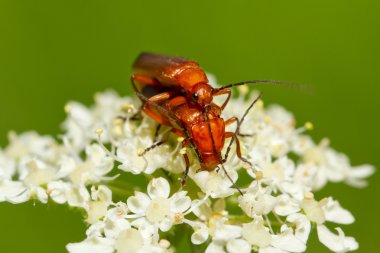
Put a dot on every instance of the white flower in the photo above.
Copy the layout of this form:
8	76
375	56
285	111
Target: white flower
91	170
35	175
257	200
128	154
287	241
216	184
279	172
114	221
101	198
257	234
129	241
32	145
156	207
275	214
64	192
224	235
310	176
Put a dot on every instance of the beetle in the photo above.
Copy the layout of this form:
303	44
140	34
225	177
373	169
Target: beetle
202	130
183	76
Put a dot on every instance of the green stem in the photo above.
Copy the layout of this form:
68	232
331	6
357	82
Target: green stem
120	191
246	219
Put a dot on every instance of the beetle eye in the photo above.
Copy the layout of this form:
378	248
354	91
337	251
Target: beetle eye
195	96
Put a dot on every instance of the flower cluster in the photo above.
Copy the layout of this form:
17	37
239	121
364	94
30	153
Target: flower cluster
101	144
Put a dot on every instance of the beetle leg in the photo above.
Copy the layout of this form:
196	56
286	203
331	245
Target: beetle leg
231	121
148	81
238	149
155	116
161	97
154	145
177	132
235	119
222	92
137	115
158	127
144	80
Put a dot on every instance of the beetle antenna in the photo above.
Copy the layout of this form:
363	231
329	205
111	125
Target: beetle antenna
241	122
300	87
219	156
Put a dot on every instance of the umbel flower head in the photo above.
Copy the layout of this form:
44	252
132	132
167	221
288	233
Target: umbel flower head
134	202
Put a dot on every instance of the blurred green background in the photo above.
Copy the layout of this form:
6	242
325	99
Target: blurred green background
55	51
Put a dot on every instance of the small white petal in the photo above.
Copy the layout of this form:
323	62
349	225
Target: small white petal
57	191
114	221
335	213
7	167
238	246
42	195
145	227
157	210
286	205
215	184
67	166
13	191
159	187
356	175
129	241
257	203
77	196
214	248
96	210
166	224
202	211
224	232
313	210
21	198
303	226
138	203
103	193
271	250
99	245
99	159
200	234
337	243
287	241
256	234
180	202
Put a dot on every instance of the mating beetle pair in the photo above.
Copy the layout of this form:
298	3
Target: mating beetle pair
175	92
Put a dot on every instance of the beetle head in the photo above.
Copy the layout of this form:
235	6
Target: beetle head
202	94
